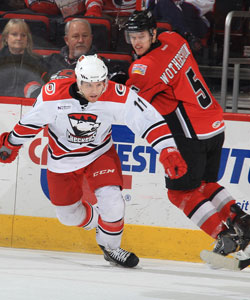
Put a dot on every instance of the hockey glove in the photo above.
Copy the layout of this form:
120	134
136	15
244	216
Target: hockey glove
8	152
173	163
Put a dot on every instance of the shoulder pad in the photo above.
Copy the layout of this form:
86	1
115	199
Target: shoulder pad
57	89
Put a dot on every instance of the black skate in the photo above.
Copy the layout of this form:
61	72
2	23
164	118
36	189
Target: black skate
227	241
241	224
236	238
120	257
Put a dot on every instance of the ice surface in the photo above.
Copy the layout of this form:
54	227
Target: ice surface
48	275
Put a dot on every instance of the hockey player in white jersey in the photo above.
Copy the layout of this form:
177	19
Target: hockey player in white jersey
79	114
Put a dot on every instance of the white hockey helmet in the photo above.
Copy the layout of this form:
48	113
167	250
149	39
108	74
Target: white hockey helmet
90	68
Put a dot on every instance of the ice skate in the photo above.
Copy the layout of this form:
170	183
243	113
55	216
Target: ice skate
227	241
120	257
241	224
234	240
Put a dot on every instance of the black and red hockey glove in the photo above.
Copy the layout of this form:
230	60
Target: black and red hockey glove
8	152
173	163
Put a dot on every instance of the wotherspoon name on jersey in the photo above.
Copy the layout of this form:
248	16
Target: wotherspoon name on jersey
176	64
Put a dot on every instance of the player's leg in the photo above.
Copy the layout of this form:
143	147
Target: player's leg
237	234
65	191
219	197
186	192
110	226
216	193
105	178
198	209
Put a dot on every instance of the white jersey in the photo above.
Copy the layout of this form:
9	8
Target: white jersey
80	131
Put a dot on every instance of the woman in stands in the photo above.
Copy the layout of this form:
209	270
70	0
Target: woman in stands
19	66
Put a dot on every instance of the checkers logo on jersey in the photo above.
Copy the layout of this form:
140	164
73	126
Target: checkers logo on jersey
139	69
84	127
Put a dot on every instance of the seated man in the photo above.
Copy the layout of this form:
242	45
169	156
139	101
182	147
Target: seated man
78	39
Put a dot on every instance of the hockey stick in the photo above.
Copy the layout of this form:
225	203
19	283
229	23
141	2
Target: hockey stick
223	262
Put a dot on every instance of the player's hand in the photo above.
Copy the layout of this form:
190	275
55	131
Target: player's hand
8	152
173	163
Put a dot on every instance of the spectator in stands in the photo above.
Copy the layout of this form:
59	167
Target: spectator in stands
56	7
78	39
19	66
185	16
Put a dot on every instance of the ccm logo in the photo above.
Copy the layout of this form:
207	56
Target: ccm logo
103	172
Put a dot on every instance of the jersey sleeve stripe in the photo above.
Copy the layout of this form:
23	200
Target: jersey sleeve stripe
167	140
152	127
157	132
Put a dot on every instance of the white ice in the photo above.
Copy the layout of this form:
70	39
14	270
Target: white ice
48	275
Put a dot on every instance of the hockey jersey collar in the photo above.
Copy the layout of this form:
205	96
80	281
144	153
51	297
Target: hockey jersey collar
73	90
152	47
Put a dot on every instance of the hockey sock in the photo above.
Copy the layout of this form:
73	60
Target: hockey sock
220	198
109	234
198	209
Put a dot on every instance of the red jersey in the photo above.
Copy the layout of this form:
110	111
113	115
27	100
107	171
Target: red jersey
169	78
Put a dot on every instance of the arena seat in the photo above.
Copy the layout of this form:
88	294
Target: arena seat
118	64
116	56
46	52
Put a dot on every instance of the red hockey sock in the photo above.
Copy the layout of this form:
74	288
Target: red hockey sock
220	198
198	209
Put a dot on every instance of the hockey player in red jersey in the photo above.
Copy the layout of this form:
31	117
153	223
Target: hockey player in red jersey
166	74
79	113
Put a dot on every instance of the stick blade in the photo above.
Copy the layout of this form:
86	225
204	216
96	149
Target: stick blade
220	262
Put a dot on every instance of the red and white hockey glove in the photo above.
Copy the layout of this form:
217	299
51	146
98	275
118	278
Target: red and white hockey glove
8	152
94	11
173	163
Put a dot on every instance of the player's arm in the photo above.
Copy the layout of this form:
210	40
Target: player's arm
25	130
93	8
145	121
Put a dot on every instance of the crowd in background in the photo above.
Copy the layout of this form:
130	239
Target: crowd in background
200	22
